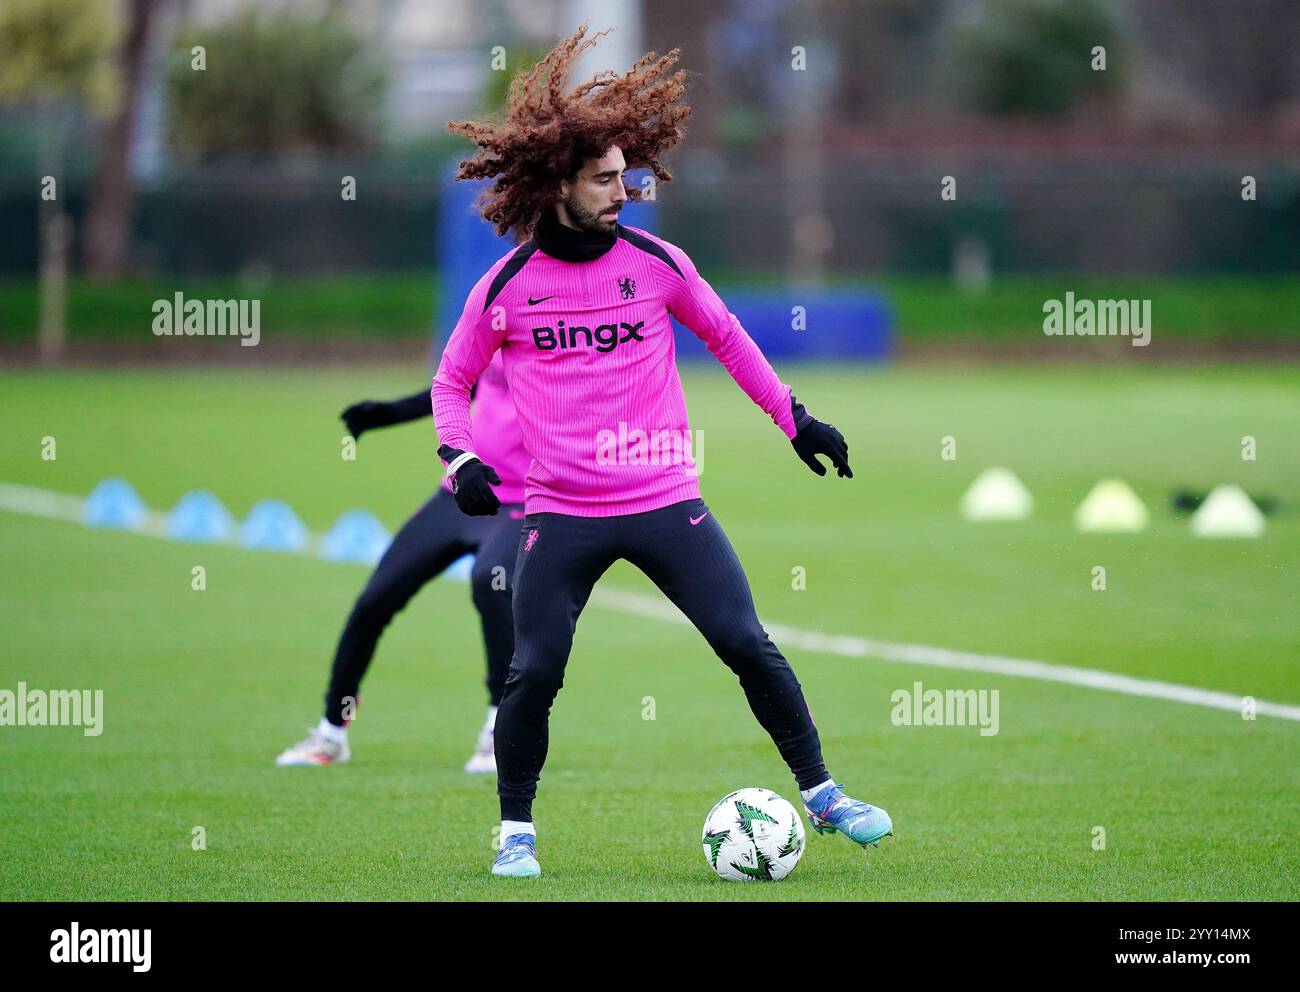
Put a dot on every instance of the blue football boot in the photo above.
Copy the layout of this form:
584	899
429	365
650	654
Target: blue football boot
831	810
517	858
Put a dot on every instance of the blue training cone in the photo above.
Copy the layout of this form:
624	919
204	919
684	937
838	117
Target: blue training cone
459	570
199	516
356	536
272	525
113	503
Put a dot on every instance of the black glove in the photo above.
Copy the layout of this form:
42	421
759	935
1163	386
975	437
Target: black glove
815	438
368	414
472	485
360	417
474	495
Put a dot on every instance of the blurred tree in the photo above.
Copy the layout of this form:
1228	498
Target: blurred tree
1035	56
282	83
55	55
57	50
112	197
519	58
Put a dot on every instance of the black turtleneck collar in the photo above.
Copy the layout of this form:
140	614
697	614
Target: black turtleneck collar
570	244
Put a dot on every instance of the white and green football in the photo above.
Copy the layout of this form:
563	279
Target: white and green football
753	835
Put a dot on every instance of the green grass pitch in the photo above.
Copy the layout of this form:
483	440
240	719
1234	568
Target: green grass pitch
203	689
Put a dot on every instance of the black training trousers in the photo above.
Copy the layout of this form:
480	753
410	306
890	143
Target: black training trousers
430	541
685	553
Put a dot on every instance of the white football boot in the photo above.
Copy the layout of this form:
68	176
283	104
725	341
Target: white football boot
484	759
316	749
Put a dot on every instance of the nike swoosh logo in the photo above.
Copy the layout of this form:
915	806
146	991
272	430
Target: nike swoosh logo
696	520
533	303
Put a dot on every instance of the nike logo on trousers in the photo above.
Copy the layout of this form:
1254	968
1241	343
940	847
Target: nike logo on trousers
696	520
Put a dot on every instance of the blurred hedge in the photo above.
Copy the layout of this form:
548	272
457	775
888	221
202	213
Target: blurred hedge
926	309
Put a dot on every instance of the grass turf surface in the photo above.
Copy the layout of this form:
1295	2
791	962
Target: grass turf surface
203	689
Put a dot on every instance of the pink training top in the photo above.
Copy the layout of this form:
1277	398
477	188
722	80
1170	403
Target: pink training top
497	434
591	366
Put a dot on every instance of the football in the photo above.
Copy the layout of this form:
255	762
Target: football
753	835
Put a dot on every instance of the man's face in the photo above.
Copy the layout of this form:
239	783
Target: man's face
594	197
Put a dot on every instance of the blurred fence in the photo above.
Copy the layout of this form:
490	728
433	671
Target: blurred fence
1104	220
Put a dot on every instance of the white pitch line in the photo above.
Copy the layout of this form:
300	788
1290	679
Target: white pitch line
60	506
920	654
40	502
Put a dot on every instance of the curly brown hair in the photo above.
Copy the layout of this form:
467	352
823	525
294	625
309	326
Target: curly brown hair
547	134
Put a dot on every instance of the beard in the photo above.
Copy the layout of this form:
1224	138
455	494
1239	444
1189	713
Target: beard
588	220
